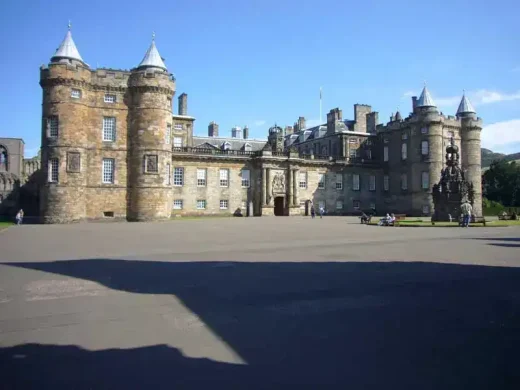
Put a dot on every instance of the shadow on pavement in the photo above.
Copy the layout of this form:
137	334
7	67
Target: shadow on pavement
508	242
329	325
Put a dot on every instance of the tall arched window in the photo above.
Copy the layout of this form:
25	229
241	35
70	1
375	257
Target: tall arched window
404	151
4	160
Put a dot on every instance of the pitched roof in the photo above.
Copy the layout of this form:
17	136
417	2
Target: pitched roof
234	143
152	58
67	49
465	106
425	100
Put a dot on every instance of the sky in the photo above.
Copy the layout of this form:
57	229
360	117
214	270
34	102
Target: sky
261	62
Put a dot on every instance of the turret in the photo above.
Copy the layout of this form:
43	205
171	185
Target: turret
471	128
64	134
151	89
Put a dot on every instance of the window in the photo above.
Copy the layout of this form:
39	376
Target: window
224	204
226	146
339	181
372	206
53	126
75	93
355	182
109	129
178	126
386	182
201	204
110	98
246	177
177	142
54	165
224	178
168	174
404	136
352	140
424	130
201	177
369	154
168	134
321	181
426	209
339	205
248	148
404	181
177	204
404	151
385	153
356	204
108	170
178	176
372	182
303	180
302	204
352	153
424	148
151	163
425	180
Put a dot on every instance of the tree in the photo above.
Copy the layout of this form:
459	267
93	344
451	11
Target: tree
501	183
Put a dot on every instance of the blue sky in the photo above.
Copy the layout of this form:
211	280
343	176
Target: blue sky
261	62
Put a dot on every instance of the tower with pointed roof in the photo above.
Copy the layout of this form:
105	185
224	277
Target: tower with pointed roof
470	132
151	90
64	134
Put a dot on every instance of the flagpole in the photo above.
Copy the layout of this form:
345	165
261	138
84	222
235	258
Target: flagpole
320	106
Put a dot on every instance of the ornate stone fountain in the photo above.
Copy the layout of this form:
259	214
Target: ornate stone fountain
453	189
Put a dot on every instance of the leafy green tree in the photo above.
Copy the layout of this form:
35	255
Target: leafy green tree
501	183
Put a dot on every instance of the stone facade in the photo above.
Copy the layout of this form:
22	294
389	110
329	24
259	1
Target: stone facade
112	148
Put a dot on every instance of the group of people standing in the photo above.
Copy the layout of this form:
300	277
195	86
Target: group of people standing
321	210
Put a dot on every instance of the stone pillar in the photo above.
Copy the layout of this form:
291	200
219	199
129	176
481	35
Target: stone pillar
290	175
268	195
296	177
264	190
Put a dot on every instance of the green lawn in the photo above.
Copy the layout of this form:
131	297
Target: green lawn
414	222
5	225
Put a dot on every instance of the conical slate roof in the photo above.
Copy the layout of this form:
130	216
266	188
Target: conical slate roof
465	106
67	49
152	58
425	100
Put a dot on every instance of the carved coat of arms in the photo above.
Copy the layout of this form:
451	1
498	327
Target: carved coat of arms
279	184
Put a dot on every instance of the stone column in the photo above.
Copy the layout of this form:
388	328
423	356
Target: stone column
296	178
290	185
269	196
264	190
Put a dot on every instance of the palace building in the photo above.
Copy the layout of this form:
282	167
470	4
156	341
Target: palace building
112	148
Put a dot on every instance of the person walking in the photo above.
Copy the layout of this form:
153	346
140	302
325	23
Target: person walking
466	210
313	212
19	217
322	211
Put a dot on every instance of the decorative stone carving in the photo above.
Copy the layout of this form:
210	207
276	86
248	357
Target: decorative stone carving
151	165
278	186
73	162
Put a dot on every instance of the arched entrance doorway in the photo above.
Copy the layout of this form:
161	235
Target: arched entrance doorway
279	208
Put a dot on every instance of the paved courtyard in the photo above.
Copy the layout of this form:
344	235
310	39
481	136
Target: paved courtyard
259	303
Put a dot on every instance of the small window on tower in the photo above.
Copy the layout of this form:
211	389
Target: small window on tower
75	93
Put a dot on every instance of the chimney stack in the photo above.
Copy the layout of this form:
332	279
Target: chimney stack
213	129
183	104
246	132
414	103
236	132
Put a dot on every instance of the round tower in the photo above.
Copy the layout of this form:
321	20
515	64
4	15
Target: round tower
151	90
65	83
429	145
471	128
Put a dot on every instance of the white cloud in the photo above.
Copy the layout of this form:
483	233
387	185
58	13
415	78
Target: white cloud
259	123
497	136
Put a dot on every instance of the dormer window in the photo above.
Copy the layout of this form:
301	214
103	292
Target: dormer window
247	147
226	146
